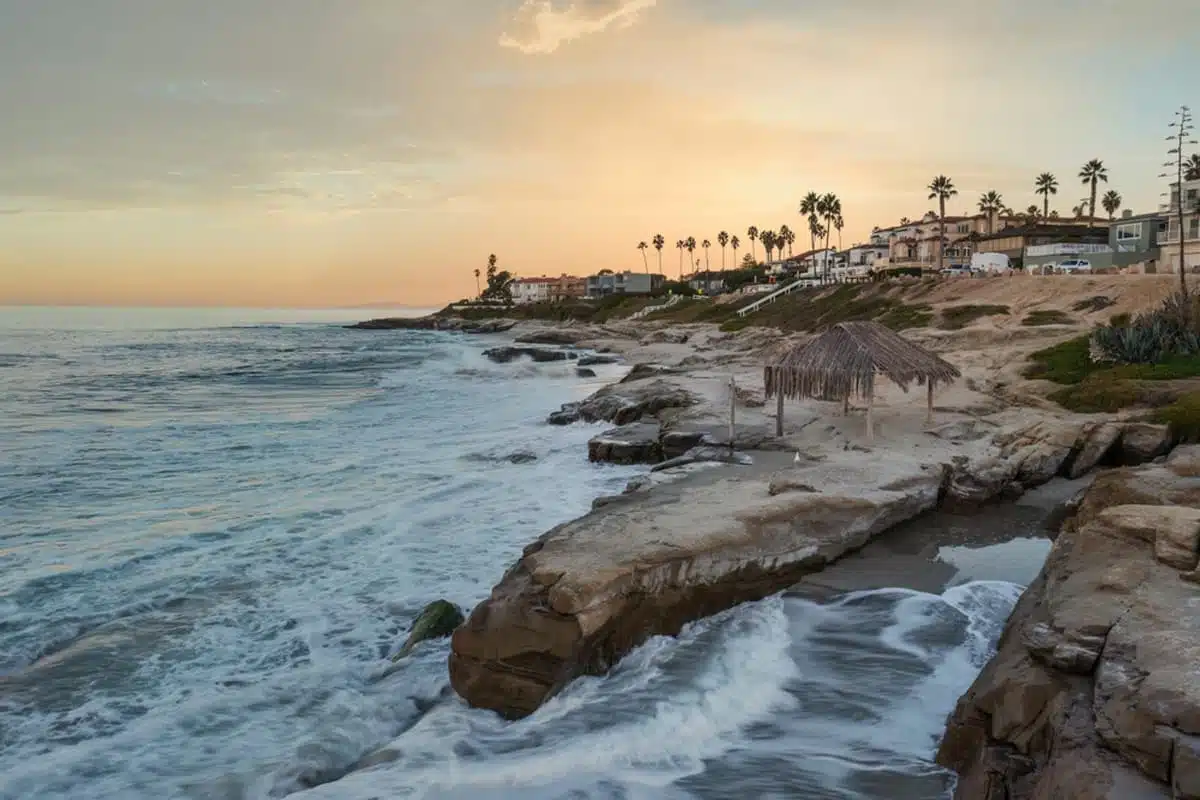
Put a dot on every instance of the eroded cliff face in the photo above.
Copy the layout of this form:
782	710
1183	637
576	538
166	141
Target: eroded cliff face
588	592
1094	691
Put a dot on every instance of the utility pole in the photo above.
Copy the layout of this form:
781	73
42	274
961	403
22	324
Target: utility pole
1180	138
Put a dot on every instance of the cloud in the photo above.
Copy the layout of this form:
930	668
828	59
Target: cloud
543	25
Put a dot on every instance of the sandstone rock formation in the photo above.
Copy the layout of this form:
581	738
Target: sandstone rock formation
624	403
587	592
1094	692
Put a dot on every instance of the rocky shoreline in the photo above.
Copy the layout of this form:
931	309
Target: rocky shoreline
731	513
1093	692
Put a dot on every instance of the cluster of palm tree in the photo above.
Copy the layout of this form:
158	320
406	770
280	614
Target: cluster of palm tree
1091	175
824	214
772	242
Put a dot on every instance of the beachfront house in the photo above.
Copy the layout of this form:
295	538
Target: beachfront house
1170	241
526	291
707	282
607	282
862	258
1132	245
1041	242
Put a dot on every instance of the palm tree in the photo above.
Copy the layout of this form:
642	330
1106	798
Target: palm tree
706	244
735	243
752	234
815	232
808	208
1045	185
478	291
680	244
658	241
1111	202
492	262
1191	168
1031	214
990	203
690	244
642	246
722	239
830	209
838	224
1081	209
941	189
791	240
1090	173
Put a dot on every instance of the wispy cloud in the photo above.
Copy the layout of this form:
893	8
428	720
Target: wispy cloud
544	25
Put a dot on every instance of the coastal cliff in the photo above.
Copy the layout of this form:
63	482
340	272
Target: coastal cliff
1093	691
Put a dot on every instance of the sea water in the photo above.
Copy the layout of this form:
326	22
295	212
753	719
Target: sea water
215	527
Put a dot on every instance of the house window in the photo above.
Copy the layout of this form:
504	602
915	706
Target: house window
964	227
1194	228
1129	232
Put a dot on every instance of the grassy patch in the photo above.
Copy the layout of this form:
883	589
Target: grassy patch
1097	394
1183	416
1066	363
705	310
902	317
816	309
958	317
1050	316
1097	303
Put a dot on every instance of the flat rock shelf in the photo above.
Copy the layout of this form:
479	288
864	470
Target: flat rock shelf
587	592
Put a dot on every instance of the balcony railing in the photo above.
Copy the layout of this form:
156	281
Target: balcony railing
1171	237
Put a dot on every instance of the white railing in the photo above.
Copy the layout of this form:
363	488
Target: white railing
775	295
648	310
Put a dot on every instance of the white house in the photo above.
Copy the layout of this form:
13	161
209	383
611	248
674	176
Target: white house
532	290
864	257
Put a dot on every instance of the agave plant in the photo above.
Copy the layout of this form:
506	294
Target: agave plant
1170	330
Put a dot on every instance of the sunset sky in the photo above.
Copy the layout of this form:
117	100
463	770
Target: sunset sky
319	153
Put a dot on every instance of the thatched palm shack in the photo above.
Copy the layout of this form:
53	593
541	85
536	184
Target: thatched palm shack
843	361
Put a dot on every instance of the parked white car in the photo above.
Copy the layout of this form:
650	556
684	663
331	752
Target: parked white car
1072	265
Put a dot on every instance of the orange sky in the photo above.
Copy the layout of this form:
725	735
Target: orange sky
379	151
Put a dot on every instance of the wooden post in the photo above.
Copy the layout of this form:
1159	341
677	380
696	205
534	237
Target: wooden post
870	419
778	409
732	409
929	403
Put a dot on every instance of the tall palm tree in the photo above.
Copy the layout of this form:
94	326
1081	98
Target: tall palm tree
690	244
1092	172
808	208
752	234
642	246
680	244
706	244
830	208
1045	185
815	232
941	189
791	240
838	224
723	240
659	242
1111	202
990	203
1191	168
734	244
478	291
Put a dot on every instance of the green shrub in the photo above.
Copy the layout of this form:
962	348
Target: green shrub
1183	417
901	317
1152	337
957	317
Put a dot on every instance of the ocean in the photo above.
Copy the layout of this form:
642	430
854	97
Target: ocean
216	526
